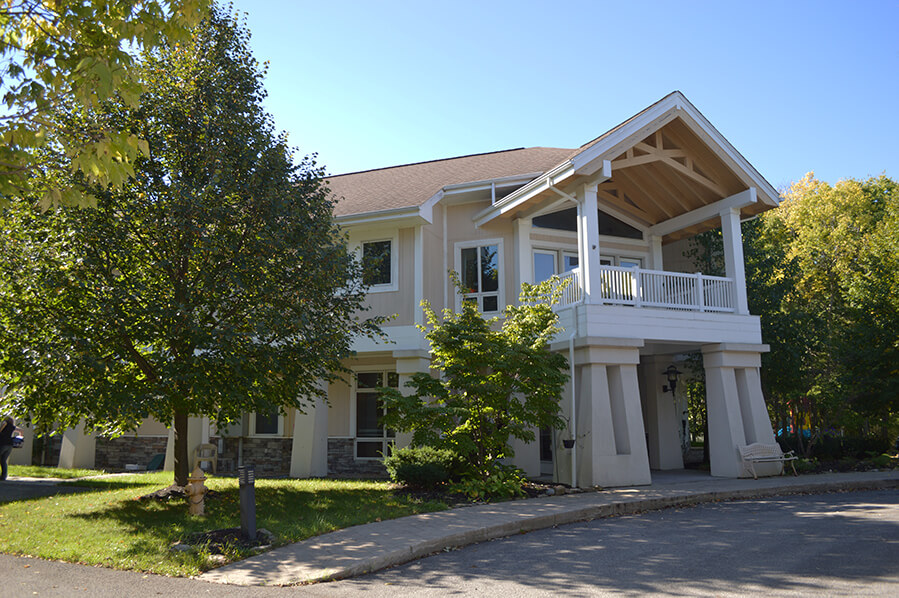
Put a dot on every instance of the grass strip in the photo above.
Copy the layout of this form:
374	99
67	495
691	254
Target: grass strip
37	471
108	526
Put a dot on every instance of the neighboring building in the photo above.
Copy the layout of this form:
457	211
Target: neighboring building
614	216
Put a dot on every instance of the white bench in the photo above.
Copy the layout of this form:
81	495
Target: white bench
765	453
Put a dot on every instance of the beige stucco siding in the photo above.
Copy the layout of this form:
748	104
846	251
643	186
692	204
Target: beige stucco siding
339	408
461	229
434	273
399	299
152	427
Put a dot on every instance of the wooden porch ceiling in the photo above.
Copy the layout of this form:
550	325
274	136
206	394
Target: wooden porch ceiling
667	174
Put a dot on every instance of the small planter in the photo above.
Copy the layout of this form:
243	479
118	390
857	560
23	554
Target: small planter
568	443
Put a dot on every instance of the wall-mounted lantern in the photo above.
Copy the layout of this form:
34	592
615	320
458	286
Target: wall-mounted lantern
671	372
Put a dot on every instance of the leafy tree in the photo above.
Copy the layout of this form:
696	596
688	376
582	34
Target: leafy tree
63	52
498	380
844	240
212	284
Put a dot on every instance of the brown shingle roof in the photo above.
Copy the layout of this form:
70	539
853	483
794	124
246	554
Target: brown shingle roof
413	184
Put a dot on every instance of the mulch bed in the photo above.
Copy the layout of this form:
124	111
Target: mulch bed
217	540
531	489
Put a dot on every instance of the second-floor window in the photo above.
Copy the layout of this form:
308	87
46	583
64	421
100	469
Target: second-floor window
377	261
479	269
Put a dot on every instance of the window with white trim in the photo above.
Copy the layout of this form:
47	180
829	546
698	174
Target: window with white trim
544	264
373	440
480	272
570	261
546	260
378	263
266	424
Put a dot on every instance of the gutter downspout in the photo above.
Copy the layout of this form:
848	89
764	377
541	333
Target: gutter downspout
573	404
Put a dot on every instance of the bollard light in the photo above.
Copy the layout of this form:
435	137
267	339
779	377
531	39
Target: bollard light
246	477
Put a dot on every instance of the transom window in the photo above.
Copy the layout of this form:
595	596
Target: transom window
480	272
373	440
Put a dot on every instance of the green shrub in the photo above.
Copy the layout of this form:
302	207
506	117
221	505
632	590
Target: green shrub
806	465
881	461
423	467
503	481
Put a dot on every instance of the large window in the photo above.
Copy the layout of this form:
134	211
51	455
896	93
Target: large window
479	268
546	260
373	440
377	261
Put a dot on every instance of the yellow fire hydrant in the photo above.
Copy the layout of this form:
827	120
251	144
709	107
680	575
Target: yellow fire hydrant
195	491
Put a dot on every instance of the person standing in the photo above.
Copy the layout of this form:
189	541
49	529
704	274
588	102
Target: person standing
7	429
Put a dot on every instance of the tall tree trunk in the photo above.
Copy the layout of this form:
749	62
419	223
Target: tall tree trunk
182	467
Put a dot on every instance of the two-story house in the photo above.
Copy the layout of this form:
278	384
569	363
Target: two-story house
613	216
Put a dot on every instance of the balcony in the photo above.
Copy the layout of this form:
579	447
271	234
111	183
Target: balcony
656	289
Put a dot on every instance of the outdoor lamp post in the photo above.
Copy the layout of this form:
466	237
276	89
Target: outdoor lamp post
671	372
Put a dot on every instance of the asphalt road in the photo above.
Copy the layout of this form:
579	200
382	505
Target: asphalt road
817	545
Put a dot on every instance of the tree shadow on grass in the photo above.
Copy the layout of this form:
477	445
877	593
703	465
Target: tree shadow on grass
291	514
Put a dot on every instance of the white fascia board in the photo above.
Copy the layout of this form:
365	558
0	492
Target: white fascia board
677	105
516	198
739	200
591	159
427	208
413	216
740	165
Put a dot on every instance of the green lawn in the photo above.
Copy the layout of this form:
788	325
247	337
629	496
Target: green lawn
36	471
107	526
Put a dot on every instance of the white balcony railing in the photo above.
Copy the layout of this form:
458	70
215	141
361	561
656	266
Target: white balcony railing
653	288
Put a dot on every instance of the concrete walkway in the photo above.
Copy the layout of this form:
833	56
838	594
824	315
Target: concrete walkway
367	548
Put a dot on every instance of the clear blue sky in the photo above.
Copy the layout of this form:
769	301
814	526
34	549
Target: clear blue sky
793	85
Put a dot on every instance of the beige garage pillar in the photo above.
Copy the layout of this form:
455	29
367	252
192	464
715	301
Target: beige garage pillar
660	414
78	449
737	414
611	442
309	452
527	455
409	362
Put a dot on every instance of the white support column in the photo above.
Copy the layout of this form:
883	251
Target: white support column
589	239
409	362
733	256
309	451
655	255
78	449
523	262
